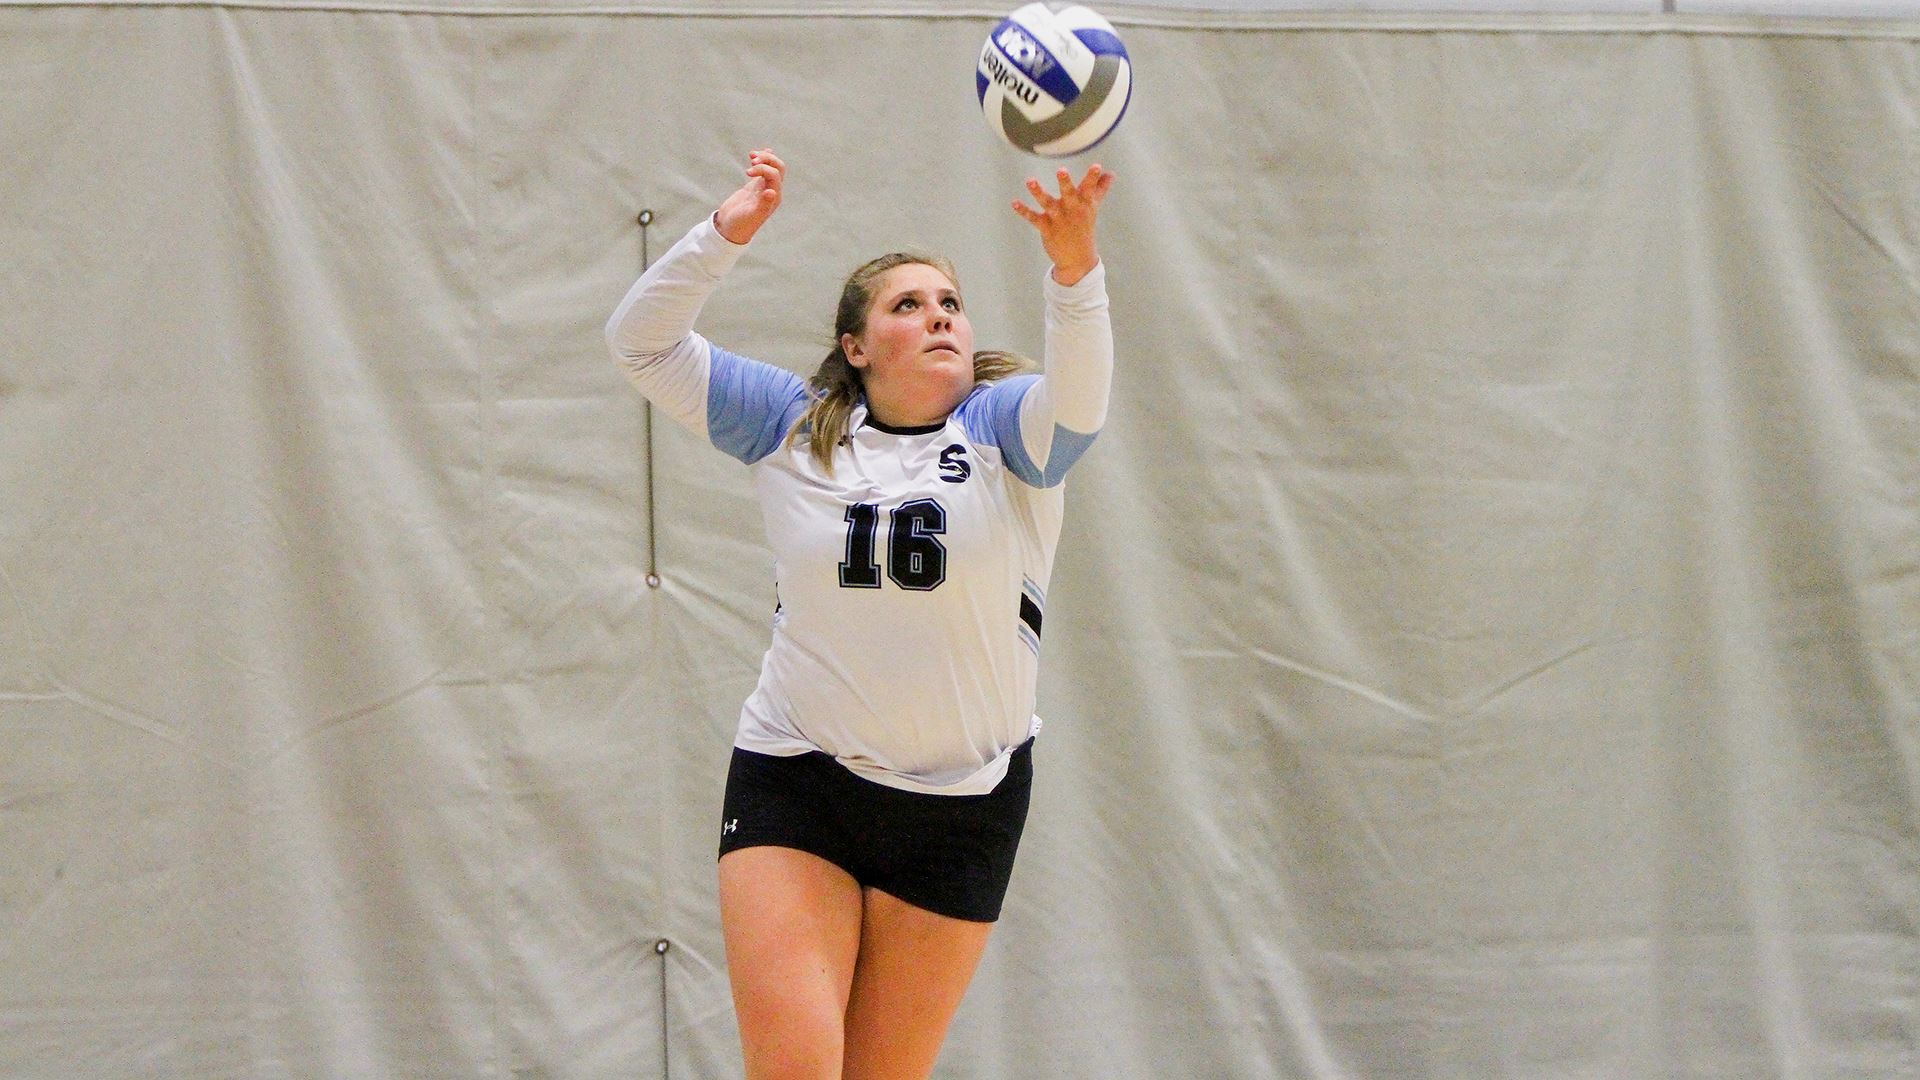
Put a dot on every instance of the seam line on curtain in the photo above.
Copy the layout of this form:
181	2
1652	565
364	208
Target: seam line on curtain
1650	22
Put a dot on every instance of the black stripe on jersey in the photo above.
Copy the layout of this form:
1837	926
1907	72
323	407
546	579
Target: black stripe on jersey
1030	614
917	429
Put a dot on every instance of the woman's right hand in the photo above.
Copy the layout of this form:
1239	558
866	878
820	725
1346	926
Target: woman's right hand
749	208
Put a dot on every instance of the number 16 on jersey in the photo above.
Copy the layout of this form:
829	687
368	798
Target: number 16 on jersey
916	559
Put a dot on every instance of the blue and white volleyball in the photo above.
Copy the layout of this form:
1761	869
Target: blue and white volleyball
1054	79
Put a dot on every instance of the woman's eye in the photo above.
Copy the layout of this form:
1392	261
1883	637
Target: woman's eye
908	302
951	304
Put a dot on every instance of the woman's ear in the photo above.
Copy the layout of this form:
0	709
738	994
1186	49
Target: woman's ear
850	348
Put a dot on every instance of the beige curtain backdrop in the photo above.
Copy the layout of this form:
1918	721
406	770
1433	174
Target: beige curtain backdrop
1485	641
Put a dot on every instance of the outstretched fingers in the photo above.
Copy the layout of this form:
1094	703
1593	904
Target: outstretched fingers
1074	198
1088	191
1067	222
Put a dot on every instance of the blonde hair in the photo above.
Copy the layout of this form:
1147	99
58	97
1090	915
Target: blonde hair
837	385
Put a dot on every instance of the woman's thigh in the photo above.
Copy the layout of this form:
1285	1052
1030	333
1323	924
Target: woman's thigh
792	926
913	969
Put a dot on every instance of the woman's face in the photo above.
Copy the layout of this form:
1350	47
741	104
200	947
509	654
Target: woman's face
918	341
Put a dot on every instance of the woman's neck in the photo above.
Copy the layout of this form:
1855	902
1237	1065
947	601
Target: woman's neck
911	410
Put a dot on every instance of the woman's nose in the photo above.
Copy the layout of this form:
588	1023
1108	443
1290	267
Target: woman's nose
942	320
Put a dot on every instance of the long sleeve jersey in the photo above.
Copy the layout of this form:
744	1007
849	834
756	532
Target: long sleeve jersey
912	579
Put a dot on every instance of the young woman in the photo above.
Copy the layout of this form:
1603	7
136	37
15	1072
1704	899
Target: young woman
912	497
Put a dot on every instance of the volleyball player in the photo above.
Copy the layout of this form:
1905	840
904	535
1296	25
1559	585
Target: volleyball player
911	494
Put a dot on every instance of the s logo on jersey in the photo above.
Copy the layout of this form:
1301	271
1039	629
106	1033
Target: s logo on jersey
953	464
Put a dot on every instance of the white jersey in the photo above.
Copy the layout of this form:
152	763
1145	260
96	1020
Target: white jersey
912	580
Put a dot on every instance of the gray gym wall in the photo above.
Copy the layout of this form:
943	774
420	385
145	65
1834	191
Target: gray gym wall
1485	641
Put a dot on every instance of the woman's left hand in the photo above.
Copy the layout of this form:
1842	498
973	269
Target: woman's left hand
1066	223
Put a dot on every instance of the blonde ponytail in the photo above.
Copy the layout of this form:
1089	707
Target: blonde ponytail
836	390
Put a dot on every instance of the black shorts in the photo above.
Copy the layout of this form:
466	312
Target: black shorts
949	854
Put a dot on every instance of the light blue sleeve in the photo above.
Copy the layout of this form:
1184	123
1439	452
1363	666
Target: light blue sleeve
991	416
751	406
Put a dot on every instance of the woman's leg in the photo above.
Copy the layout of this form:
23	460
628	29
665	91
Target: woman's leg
914	967
792	927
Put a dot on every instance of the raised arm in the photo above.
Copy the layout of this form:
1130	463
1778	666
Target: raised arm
741	405
1045	424
658	312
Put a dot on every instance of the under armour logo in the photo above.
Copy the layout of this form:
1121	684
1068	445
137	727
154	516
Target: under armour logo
730	827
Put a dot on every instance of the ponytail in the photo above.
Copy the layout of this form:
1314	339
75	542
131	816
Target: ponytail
836	390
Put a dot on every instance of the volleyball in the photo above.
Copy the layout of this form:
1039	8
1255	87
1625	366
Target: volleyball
1054	79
